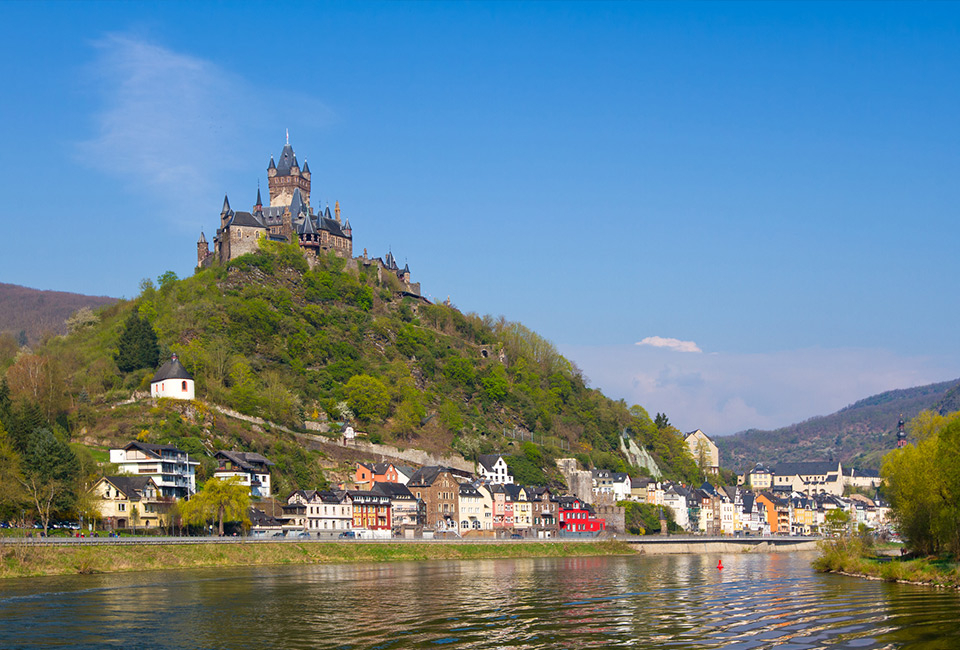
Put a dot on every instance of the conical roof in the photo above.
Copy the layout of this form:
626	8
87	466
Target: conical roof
172	369
226	205
307	227
287	160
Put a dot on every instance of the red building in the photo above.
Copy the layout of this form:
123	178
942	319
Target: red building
576	517
371	510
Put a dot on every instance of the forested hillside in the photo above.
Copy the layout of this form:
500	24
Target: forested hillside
269	337
26	315
858	435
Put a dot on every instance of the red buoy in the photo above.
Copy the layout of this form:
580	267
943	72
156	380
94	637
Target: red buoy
720	565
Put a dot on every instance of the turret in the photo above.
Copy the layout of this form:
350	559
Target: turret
226	212
203	250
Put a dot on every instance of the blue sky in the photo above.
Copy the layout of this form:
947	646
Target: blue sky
742	215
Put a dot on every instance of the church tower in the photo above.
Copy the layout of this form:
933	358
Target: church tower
285	176
901	434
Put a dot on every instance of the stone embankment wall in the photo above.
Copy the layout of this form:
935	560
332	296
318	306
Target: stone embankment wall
413	456
389	452
691	547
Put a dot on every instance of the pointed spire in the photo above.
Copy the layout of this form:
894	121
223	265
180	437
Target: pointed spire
346	226
307	227
306	166
259	202
203	239
226	206
272	164
296	204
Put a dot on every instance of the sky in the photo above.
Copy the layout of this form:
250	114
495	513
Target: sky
741	215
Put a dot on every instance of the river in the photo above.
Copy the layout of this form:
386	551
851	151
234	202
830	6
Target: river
676	601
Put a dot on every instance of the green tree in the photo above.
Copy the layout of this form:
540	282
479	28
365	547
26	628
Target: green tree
49	474
923	484
368	398
495	384
137	346
220	500
460	371
836	522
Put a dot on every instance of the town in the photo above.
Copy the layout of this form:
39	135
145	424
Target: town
391	500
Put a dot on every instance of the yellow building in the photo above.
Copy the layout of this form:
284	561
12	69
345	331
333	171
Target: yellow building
130	502
704	451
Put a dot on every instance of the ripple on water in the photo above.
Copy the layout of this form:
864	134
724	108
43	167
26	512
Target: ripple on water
758	601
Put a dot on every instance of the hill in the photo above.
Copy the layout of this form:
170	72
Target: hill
37	313
859	434
269	337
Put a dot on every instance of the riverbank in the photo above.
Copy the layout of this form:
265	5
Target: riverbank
851	558
24	560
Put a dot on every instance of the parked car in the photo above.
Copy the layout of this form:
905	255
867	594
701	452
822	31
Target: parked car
516	536
347	534
303	533
279	533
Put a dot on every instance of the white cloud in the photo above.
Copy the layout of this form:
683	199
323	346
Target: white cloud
724	393
176	126
671	344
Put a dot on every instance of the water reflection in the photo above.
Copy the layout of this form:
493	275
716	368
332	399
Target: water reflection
757	601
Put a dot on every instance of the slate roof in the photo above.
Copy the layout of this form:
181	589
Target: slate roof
131	486
468	490
425	476
489	460
172	369
288	159
805	468
151	448
245	219
248	461
393	490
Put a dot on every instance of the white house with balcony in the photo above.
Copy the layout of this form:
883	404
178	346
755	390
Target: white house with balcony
492	468
170	468
252	469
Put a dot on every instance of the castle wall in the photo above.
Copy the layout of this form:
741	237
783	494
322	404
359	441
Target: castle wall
242	241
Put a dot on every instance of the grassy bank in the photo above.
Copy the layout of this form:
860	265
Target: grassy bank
853	557
20	560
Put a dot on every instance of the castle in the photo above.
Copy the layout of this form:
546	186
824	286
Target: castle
291	218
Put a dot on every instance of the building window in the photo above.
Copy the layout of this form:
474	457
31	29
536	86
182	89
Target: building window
184	386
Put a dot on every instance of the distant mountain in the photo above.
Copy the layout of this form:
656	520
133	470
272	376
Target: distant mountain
37	312
858	435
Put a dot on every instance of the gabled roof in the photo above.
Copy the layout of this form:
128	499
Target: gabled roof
805	468
487	461
700	432
425	476
245	219
151	448
248	461
132	487
468	490
393	490
172	369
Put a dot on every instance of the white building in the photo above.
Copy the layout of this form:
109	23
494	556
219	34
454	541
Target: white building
616	484
170	468
173	381
253	470
492	468
678	503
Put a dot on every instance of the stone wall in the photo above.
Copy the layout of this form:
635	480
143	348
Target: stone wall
579	482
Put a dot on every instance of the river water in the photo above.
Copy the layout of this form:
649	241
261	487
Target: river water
678	601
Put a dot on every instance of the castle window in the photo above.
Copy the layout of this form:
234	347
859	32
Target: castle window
184	388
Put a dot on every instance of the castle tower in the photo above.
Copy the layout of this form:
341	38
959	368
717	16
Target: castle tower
203	250
901	434
284	176
226	212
